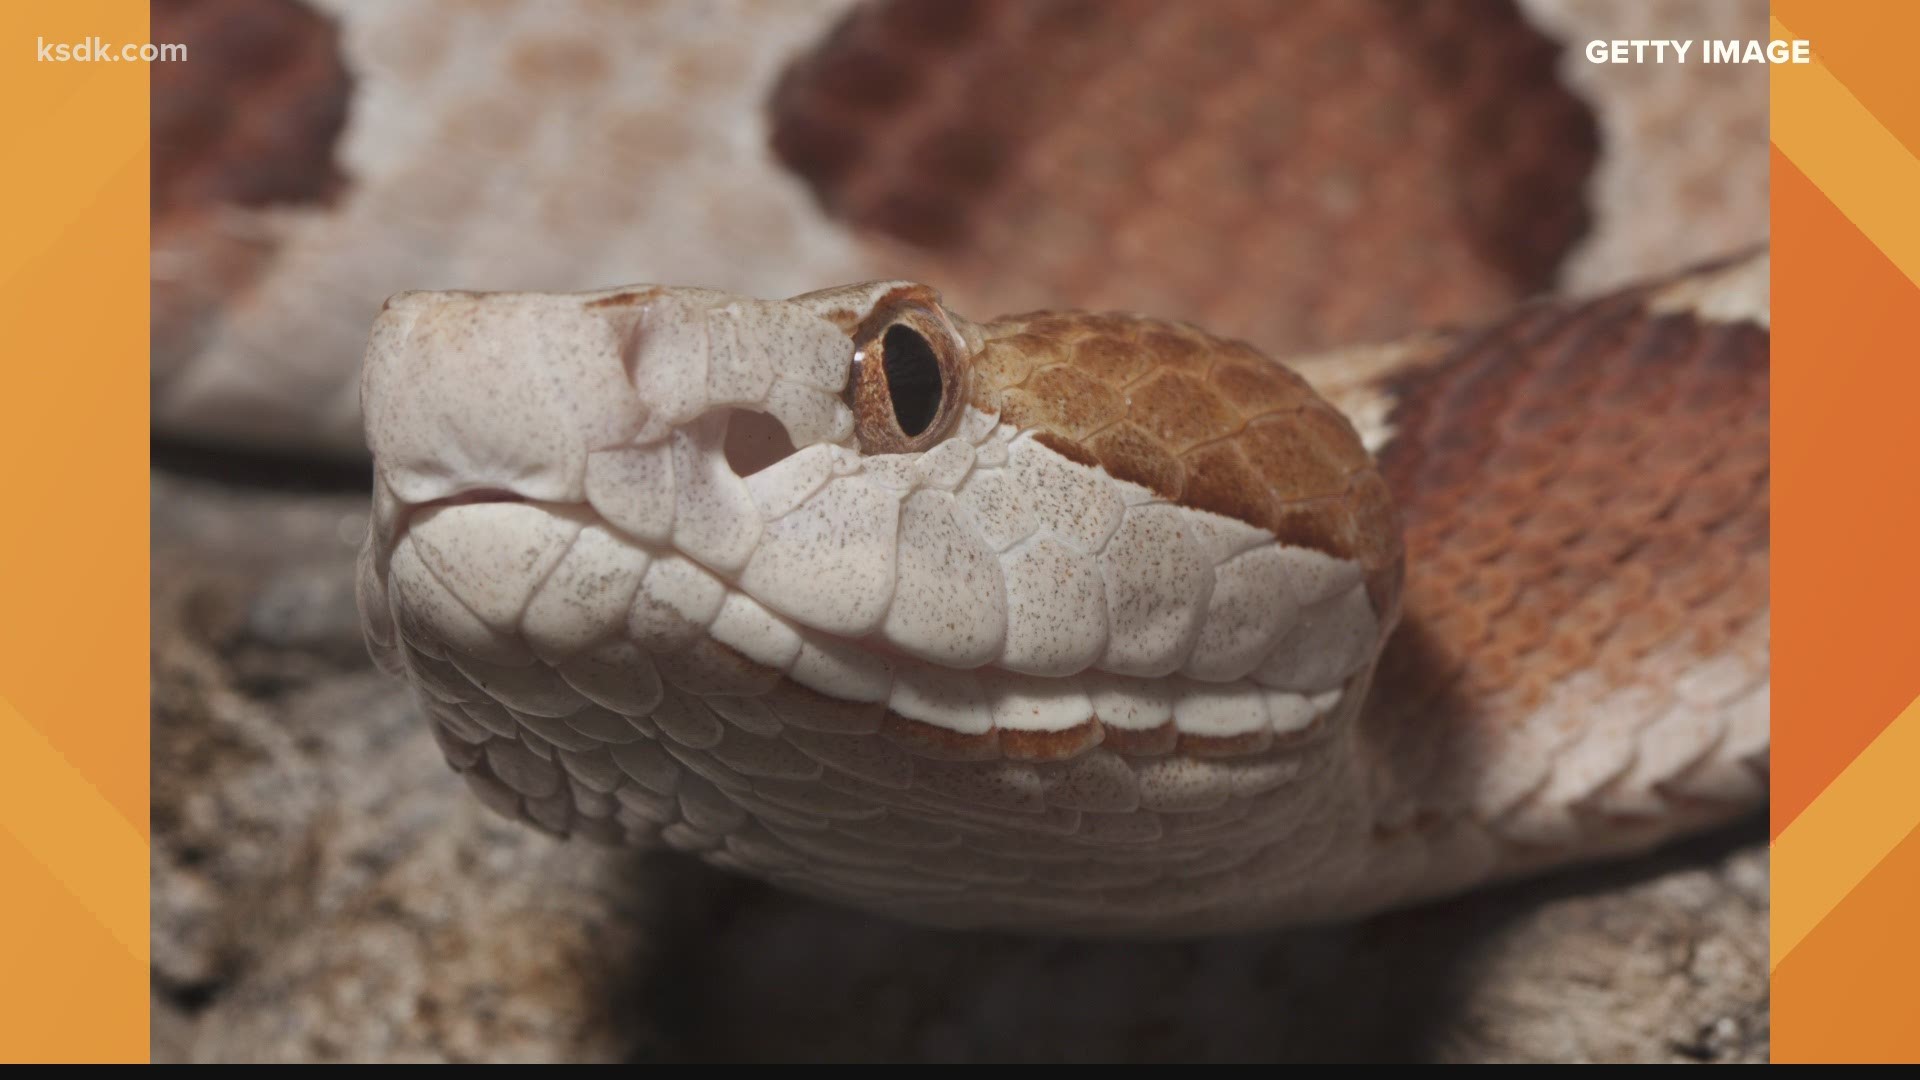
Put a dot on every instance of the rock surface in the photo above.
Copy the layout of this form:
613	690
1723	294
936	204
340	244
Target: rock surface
324	888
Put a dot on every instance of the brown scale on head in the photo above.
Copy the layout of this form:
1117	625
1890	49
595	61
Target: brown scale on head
1201	421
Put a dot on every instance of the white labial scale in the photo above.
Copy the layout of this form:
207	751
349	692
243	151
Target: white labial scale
787	483
493	555
428	616
999	506
1056	608
755	633
1129	704
585	598
1328	642
1250	608
841	669
632	487
829	563
942	697
1030	703
1071	502
676	602
1159	584
949	605
715	520
1218	710
1314	577
1289	713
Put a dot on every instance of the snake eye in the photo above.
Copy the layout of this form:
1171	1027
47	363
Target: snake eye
907	385
913	378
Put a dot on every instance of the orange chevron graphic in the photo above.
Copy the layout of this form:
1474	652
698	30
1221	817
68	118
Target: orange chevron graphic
1837	841
1852	42
1841	630
1852	157
1846	855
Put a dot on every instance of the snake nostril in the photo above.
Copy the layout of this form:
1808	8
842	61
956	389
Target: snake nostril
755	440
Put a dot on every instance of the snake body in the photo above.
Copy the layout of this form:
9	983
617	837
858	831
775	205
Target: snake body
1093	623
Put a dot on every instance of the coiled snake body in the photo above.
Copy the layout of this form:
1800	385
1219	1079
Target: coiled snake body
1092	623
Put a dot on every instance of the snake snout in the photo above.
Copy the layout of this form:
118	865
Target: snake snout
469	392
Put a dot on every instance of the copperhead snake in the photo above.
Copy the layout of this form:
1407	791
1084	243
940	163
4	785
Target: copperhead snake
1093	623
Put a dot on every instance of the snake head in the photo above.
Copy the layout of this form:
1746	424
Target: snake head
1043	566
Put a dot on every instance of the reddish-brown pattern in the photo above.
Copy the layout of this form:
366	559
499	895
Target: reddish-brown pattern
1301	174
252	117
1581	486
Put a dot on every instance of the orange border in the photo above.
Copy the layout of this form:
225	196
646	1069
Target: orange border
1846	501
74	540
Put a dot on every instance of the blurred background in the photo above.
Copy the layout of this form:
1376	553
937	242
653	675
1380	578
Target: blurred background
1301	174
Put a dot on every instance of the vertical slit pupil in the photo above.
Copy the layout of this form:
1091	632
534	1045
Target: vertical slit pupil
913	378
